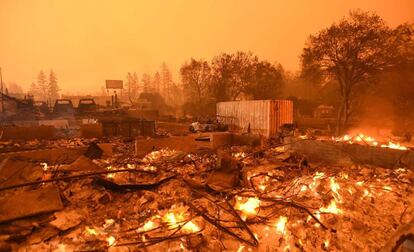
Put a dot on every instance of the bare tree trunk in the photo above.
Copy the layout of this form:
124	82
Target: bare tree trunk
339	119
346	108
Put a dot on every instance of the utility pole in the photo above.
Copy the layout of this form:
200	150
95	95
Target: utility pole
2	99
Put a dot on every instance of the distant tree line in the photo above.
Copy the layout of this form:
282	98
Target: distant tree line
159	86
228	77
46	88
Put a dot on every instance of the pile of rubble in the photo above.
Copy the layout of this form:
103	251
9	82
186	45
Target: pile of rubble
235	199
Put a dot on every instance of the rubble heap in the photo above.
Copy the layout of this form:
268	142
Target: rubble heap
236	199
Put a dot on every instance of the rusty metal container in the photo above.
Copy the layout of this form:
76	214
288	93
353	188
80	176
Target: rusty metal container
263	117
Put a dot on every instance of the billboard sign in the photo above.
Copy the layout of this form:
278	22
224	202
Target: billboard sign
114	84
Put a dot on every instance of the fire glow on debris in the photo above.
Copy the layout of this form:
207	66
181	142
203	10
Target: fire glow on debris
241	248
281	224
361	138
335	187
149	225
44	166
156	155
239	155
110	175
326	243
392	145
108	223
174	218
111	240
332	208
91	231
248	207
315	182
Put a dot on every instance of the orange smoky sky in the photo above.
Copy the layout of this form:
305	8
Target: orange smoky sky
88	41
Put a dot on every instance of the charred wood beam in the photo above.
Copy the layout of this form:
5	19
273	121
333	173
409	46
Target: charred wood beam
220	227
86	175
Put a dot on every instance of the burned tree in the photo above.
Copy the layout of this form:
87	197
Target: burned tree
231	74
350	52
132	86
53	87
267	81
196	79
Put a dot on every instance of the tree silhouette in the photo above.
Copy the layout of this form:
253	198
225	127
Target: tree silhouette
350	52
53	87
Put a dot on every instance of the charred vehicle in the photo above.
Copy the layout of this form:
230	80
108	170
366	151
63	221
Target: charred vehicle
63	107
86	106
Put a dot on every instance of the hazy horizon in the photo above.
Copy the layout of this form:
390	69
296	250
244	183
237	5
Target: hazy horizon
86	42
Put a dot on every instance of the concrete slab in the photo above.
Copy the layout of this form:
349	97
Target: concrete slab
50	156
56	123
28	203
15	171
344	153
181	143
91	130
57	155
190	144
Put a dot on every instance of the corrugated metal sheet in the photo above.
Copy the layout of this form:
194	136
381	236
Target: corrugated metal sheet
264	117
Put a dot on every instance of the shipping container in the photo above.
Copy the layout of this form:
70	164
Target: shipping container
262	117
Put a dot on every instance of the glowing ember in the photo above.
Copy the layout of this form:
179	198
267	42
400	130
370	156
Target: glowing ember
155	155
361	138
262	187
303	188
239	155
387	188
44	166
335	187
281	224
241	248
110	175
359	183
343	175
332	208
91	231
109	222
366	194
175	217
150	168
392	145
61	248
326	243
191	227
248	207
111	240
172	219
130	166
315	182
149	225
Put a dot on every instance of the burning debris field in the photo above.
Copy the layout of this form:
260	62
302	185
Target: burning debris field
202	126
235	198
